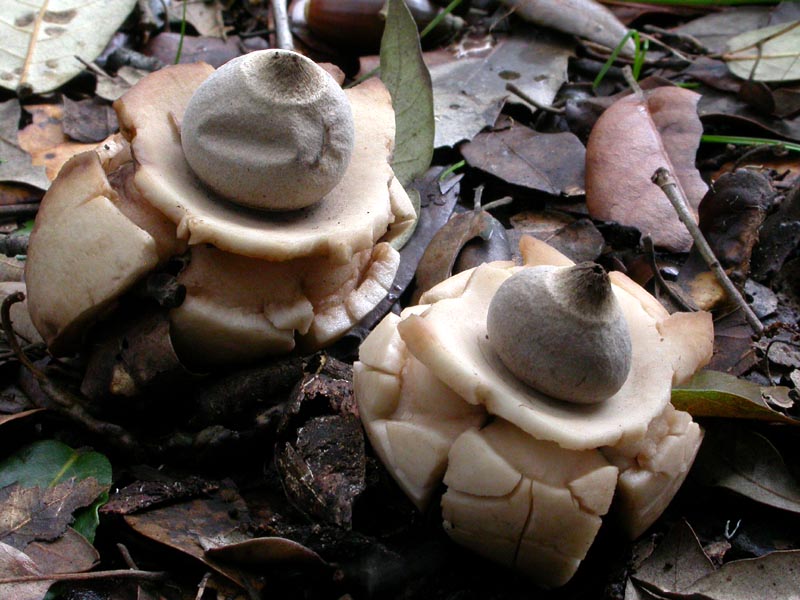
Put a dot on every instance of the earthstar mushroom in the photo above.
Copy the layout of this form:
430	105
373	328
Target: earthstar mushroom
529	477
258	281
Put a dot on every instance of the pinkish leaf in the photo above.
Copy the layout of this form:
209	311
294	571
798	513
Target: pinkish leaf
632	138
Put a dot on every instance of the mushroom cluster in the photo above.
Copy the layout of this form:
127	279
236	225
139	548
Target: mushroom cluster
537	394
271	183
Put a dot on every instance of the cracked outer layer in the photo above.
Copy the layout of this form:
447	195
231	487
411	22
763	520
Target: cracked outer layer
529	488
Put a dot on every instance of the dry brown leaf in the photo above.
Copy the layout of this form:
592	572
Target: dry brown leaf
635	136
265	551
440	256
220	517
70	553
14	563
549	162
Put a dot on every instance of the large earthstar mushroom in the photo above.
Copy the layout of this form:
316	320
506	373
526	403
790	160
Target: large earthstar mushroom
530	476
274	181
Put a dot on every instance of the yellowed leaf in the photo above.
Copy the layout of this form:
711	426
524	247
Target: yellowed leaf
44	139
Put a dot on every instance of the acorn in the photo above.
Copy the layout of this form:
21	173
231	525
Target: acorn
358	24
561	331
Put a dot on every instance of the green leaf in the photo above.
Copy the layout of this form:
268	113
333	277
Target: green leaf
745	462
407	78
47	463
715	394
767	54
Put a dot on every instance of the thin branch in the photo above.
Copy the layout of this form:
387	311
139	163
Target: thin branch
283	35
115	574
663	179
518	92
23	209
11	337
201	587
126	556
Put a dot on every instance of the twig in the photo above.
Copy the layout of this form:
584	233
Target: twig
201	587
663	179
23	209
627	72
518	92
114	574
14	244
126	556
283	35
11	337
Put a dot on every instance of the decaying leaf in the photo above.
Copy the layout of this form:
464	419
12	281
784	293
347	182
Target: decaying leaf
43	38
547	162
680	569
678	561
321	458
48	463
34	513
584	18
730	214
716	28
767	54
112	88
469	87
747	463
716	106
407	78
188	526
715	394
635	136
15	163
779	237
578	239
774	575
144	494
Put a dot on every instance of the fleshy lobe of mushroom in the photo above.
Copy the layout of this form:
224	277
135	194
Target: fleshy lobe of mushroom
633	444
525	502
269	130
67	290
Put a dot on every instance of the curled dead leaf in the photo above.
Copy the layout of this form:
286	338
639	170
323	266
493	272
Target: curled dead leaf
633	137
